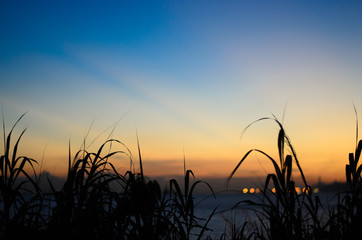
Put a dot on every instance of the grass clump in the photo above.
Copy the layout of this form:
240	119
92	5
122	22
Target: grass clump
15	207
184	220
347	217
283	213
95	202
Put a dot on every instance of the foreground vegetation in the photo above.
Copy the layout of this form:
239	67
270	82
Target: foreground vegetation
98	202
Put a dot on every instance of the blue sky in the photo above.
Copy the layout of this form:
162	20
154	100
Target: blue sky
188	75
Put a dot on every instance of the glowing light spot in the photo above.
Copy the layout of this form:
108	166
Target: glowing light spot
273	190
252	190
245	190
297	189
316	190
257	190
305	190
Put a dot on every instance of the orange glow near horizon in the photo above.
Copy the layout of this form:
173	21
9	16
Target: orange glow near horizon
321	154
55	162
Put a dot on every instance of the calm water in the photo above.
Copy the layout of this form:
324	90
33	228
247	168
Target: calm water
226	213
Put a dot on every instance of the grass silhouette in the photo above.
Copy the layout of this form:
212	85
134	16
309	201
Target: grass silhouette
283	213
98	202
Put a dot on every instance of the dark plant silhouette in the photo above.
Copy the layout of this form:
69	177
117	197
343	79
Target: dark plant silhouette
283	213
15	203
347	218
184	220
96	201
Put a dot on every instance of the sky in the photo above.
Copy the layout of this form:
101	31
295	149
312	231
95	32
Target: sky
187	77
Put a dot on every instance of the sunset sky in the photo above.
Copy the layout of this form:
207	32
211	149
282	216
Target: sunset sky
188	76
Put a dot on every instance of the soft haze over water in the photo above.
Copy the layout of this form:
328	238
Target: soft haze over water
190	76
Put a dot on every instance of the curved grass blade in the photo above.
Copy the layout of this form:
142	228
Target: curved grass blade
237	167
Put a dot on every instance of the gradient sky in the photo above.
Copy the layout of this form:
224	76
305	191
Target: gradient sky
189	76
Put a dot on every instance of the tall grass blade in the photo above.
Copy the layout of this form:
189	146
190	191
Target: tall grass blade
204	228
237	166
281	140
288	165
355	112
358	152
247	127
15	150
139	156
